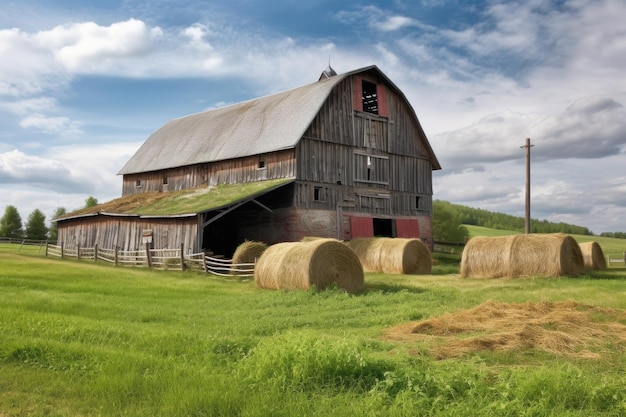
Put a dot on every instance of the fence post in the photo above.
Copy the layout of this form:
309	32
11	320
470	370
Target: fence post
77	251
148	259
116	249
95	253
182	256
62	249
204	265
46	248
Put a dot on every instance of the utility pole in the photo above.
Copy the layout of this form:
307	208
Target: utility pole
527	205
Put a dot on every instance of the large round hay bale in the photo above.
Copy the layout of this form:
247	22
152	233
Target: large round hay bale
487	257
247	253
593	256
368	251
405	256
302	265
548	255
393	255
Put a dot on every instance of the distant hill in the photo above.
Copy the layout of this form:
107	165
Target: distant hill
501	221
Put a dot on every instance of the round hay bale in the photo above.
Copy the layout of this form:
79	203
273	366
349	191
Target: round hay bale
311	238
302	265
548	255
487	257
247	253
393	255
368	251
405	256
593	256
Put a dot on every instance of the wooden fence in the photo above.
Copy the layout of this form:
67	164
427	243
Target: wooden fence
23	242
165	259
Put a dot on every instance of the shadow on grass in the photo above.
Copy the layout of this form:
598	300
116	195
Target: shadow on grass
611	273
385	288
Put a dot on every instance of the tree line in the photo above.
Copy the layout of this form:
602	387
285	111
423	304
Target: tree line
11	225
449	218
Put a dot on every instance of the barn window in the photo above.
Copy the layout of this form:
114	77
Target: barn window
371	169
165	180
370	98
138	183
261	164
417	202
318	194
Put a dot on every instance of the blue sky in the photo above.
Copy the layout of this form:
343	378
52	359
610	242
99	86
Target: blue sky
83	83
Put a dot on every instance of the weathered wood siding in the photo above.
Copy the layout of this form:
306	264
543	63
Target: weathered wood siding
125	233
368	163
254	168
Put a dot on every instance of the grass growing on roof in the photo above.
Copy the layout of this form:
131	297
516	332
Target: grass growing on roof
182	202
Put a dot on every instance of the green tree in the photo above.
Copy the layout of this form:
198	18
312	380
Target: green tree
91	201
11	223
36	226
446	224
54	227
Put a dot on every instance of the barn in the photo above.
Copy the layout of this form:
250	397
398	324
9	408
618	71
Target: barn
342	157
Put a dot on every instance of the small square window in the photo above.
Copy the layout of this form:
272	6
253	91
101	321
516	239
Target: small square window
261	164
318	194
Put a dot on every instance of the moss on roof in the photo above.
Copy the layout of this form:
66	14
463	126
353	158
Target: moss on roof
181	202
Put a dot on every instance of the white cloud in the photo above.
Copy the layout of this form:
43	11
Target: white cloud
62	126
88	47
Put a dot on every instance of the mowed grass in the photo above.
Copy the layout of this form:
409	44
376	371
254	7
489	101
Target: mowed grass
86	339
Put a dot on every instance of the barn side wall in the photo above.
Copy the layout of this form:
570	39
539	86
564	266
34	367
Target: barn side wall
241	170
125	233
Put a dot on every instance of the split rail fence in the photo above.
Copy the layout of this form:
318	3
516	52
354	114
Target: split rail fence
164	259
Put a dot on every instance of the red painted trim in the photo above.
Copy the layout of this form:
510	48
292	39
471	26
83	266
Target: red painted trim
361	227
357	93
407	228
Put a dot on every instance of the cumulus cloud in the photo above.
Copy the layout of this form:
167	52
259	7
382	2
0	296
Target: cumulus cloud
18	167
87	169
87	47
592	127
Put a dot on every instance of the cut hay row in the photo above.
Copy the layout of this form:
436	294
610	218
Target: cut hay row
548	255
593	257
302	265
393	255
561	328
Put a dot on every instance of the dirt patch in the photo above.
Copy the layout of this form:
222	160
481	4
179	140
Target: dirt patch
565	328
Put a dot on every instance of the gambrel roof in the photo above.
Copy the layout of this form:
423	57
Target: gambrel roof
253	127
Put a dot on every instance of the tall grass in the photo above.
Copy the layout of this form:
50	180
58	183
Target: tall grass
80	339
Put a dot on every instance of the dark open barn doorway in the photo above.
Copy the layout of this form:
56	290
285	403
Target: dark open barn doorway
383	227
221	236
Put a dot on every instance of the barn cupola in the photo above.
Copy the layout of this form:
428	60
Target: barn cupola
327	73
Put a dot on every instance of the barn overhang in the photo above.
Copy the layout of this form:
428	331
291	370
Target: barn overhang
214	215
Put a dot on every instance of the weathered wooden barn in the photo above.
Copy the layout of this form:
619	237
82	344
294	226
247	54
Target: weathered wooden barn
343	157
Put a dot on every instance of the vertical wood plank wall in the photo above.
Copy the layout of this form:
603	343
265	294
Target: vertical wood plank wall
279	164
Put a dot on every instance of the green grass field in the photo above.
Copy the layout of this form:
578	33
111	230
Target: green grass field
86	339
